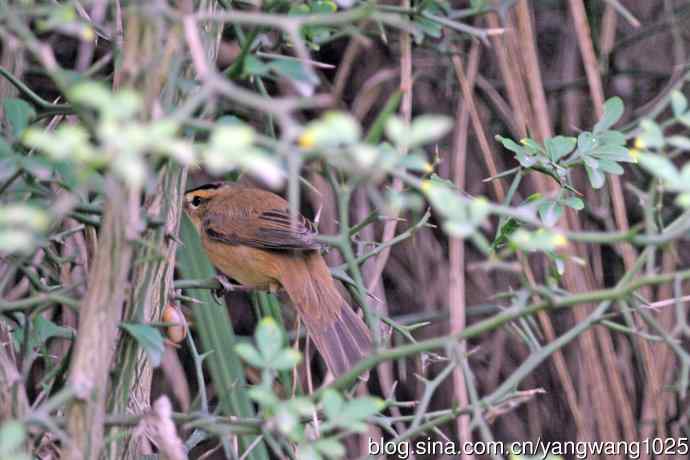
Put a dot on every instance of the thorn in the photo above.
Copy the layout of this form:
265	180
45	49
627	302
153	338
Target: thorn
174	238
317	217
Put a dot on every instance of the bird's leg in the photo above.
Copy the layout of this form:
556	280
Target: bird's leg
226	285
219	295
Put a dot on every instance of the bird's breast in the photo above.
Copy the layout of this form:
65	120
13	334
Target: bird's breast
251	267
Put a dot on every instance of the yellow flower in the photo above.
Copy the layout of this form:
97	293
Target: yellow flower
559	240
523	141
425	186
640	144
88	34
428	167
307	140
634	154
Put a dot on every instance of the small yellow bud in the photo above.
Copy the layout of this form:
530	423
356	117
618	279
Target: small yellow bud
559	240
88	34
307	140
428	168
523	141
426	186
640	144
634	154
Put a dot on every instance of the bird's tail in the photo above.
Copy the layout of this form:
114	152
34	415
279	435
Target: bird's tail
339	334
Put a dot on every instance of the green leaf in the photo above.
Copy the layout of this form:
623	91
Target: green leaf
610	167
431	28
12	436
303	406
559	146
478	5
522	155
685	119
331	448
458	228
307	452
652	135
574	203
254	66
540	240
297	9
426	129
46	330
361	408
264	396
550	212
25	215
586	143
612	153
68	142
250	354
683	200
503	234
149	338
679	103
269	338
660	167
510	144
19	114
596	177
231	147
332	403
16	241
532	146
613	110
293	69
415	161
131	167
395	130
5	149
611	138
286	420
232	137
90	93
286	359
323	7
332	130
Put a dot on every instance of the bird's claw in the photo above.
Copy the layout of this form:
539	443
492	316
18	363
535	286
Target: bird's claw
225	283
225	287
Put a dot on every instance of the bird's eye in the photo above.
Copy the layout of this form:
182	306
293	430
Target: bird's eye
196	201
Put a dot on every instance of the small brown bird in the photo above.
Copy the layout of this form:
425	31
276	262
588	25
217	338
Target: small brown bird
248	236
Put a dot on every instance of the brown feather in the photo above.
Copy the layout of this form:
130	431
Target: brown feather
249	236
339	334
259	219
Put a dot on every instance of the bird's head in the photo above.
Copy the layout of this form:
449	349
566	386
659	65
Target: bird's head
196	200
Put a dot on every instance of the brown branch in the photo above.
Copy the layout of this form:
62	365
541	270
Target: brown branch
99	317
13	399
487	154
584	38
406	83
456	247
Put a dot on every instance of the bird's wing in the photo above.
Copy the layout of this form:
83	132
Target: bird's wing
265	229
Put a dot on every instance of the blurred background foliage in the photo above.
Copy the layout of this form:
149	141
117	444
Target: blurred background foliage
501	186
